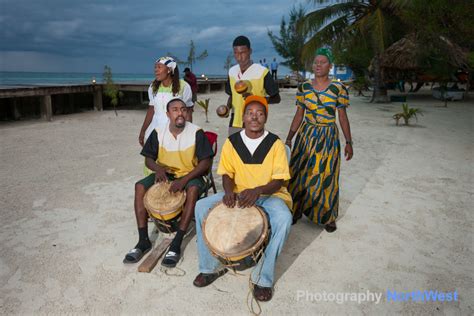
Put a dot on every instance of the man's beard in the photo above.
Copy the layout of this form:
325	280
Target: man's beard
180	125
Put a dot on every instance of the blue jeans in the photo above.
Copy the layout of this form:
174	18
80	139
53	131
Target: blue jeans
279	217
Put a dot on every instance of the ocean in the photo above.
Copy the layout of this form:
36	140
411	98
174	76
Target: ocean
8	78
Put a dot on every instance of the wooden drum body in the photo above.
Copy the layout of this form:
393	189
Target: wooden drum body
236	236
164	207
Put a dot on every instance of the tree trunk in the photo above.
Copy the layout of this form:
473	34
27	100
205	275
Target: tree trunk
380	90
468	86
419	85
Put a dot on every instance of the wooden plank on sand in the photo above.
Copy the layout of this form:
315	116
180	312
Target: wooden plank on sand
150	262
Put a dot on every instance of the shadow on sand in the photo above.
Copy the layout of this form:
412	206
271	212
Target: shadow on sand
302	234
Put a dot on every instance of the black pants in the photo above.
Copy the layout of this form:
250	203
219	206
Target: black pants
274	74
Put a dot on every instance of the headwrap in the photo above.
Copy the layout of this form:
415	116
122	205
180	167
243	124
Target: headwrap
324	51
168	62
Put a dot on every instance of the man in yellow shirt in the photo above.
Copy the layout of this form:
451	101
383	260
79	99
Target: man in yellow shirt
254	167
259	77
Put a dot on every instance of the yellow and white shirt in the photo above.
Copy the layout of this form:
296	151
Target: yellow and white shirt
178	155
268	162
262	84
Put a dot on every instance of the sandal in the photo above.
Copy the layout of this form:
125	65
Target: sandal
204	279
135	255
171	259
262	294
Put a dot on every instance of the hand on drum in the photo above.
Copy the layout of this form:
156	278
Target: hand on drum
177	185
160	175
229	199
247	198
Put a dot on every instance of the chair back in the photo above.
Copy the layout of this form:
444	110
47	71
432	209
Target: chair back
209	178
212	137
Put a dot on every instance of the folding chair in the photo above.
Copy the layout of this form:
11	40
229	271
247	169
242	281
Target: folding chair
209	178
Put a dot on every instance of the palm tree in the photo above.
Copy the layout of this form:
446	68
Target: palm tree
373	21
228	62
192	58
289	44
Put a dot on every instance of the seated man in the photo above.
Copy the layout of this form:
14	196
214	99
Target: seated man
254	167
178	151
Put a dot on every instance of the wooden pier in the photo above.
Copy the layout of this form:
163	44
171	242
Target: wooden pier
45	93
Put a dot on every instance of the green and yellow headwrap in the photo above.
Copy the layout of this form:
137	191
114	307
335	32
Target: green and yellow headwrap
324	51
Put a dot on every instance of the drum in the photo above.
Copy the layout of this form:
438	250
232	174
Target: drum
236	236
164	207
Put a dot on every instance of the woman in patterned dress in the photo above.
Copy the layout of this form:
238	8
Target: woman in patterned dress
315	157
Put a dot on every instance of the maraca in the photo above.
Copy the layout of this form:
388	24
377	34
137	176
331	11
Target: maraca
241	86
222	111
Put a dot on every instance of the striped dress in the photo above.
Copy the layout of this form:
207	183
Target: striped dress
315	158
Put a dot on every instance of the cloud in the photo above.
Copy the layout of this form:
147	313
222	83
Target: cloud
62	29
210	32
130	35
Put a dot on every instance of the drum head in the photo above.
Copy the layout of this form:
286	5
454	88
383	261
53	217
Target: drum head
233	232
158	199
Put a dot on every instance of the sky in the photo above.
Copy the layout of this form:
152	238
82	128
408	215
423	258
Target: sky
85	35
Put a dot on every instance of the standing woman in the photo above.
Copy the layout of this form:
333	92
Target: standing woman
166	86
315	158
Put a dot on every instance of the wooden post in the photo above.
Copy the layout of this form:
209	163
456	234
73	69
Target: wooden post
208	88
46	108
98	98
69	106
16	113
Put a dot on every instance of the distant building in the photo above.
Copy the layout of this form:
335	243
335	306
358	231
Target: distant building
341	72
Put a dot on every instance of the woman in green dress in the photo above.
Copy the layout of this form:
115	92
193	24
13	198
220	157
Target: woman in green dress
315	157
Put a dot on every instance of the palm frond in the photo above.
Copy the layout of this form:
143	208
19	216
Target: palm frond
326	36
205	105
395	5
315	20
203	55
406	114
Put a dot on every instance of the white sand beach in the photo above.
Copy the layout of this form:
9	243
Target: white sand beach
66	210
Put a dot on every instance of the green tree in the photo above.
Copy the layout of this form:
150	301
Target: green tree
111	89
355	53
439	34
377	22
406	114
192	56
442	18
289	44
205	105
